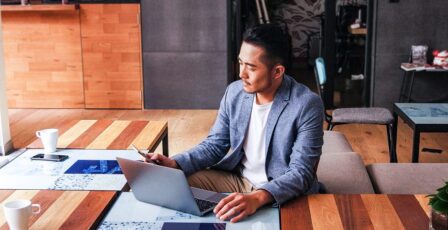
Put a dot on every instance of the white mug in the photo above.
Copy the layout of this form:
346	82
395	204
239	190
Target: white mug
49	138
18	212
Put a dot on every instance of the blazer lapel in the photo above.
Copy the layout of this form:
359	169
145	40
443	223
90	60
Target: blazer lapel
280	102
244	117
235	155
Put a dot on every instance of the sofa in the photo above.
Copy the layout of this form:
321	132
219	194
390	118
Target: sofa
342	171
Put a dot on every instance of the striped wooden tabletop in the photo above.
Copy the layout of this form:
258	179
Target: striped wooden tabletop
366	211
62	209
110	134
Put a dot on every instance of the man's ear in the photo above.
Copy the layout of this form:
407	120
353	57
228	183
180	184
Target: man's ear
278	71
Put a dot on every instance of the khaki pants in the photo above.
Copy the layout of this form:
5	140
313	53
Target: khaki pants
220	181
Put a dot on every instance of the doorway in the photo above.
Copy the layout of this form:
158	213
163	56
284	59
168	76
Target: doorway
347	49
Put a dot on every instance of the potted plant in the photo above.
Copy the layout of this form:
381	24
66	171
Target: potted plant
439	208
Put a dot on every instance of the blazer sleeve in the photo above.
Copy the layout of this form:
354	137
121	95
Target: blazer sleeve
307	148
213	148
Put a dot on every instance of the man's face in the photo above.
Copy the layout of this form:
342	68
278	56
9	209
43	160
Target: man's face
256	75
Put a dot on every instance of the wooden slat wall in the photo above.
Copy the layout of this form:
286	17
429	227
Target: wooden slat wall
43	61
39	7
111	49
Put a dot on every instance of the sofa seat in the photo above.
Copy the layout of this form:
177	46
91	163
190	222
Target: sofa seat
344	173
335	142
408	178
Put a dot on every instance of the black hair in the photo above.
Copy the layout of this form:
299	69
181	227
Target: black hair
274	39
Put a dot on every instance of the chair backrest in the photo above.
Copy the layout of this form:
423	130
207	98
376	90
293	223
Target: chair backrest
321	78
320	68
320	74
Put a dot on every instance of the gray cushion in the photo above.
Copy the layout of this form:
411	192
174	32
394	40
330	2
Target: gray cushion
335	142
344	173
408	178
373	115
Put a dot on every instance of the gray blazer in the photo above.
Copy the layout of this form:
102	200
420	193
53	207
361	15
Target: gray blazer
294	138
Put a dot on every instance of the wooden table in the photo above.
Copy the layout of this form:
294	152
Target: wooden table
62	209
110	134
407	82
421	118
129	213
366	211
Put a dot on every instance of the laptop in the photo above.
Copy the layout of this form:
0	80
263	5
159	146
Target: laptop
167	187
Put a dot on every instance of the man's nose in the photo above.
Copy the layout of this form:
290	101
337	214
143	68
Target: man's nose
243	73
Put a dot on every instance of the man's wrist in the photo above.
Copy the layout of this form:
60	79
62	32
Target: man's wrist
175	164
263	197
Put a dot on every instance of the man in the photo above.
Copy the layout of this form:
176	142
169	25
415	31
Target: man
272	126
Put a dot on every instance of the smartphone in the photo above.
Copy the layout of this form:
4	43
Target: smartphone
138	151
142	154
49	157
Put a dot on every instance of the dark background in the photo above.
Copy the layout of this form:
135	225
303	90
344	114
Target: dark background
396	27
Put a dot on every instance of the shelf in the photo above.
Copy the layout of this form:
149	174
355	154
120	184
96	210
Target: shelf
43	7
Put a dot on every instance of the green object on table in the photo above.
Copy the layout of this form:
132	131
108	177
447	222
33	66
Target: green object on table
439	200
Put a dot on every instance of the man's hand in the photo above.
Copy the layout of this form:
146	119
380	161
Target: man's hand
161	160
239	206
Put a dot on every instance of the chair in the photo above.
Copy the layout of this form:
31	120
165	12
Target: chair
371	115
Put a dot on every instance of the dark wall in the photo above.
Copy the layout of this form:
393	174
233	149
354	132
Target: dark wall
302	18
396	27
184	46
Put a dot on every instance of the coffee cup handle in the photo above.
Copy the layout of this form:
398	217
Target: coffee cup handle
38	134
37	206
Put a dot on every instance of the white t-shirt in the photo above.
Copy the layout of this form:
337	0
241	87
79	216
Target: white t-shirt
255	145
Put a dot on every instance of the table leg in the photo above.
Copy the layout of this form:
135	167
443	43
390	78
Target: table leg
410	86
164	139
415	146
403	86
394	130
165	144
392	140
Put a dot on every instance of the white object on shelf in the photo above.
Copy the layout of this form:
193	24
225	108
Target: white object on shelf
357	77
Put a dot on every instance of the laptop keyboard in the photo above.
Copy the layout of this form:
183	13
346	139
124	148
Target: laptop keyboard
204	204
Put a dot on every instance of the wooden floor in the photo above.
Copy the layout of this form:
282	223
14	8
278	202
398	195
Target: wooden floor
188	127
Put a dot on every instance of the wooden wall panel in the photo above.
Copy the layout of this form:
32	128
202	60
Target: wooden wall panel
111	49
43	61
